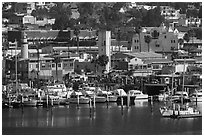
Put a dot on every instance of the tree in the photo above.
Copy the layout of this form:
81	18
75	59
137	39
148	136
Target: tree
153	18
186	37
62	13
76	33
103	60
148	40
180	41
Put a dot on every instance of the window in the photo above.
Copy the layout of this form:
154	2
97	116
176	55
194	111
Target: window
59	65
155	66
165	36
43	65
131	66
157	45
144	66
71	64
104	43
53	65
65	64
149	66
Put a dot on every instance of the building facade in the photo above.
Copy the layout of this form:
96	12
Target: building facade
161	41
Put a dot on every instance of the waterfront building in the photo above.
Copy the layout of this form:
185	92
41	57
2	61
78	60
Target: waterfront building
142	63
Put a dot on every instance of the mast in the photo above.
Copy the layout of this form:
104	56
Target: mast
183	80
16	65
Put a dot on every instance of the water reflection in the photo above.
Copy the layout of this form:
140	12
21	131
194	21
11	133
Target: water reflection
140	118
141	103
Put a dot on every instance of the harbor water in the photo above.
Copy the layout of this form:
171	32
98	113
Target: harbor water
142	118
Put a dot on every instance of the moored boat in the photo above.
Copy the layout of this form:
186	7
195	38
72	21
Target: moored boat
138	94
180	112
196	96
30	103
78	97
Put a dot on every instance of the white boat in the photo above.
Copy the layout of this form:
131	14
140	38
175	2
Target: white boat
92	92
138	94
179	95
185	112
119	92
29	101
108	95
112	98
78	97
197	96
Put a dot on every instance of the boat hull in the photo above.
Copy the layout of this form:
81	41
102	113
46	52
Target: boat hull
142	97
81	100
32	103
99	99
112	99
189	113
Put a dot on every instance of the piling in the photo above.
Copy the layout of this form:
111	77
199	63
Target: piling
90	107
22	101
78	101
107	100
121	101
94	101
174	109
128	99
178	109
47	100
52	102
196	100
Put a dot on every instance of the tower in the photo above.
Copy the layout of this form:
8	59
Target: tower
24	46
104	44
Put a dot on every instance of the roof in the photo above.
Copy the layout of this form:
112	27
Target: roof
84	33
182	29
158	60
144	55
141	55
47	34
120	55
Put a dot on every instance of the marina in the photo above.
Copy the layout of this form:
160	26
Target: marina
101	68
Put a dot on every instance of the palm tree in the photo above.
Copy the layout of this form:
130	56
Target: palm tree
76	33
148	40
57	60
101	60
118	38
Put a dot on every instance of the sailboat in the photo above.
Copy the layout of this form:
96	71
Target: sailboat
180	110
